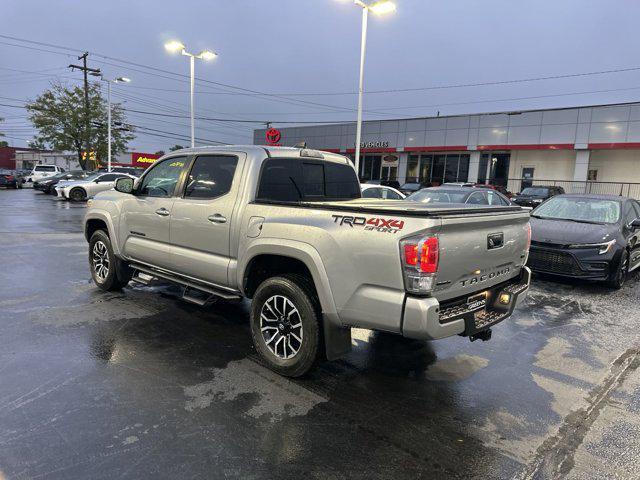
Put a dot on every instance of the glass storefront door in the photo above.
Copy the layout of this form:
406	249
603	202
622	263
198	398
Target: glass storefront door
494	167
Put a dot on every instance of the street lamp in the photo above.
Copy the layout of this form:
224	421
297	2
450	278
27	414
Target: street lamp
380	7
175	46
109	82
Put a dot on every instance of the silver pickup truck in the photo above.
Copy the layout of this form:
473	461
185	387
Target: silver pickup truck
287	228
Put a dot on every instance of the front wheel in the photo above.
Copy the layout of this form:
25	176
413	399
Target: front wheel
77	195
619	276
106	271
285	324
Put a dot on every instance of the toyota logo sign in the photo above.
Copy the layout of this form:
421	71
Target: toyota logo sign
273	136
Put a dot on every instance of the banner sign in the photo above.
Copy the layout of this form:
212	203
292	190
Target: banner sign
144	160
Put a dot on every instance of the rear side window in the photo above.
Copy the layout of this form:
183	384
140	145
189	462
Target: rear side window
293	180
495	199
45	168
211	176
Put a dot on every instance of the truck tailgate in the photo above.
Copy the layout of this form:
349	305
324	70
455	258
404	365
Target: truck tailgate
478	251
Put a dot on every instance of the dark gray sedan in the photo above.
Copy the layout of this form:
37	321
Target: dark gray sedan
593	237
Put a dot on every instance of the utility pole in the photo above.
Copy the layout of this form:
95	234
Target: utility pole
85	71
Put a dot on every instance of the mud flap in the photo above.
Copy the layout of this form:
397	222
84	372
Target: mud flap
337	340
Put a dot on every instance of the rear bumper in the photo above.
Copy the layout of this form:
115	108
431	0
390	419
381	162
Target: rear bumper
427	319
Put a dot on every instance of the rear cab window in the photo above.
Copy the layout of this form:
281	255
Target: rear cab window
296	179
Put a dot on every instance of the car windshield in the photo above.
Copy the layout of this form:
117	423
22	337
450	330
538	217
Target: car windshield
580	209
438	196
536	191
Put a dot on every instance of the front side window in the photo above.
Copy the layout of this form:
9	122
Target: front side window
211	176
161	180
477	198
629	214
371	193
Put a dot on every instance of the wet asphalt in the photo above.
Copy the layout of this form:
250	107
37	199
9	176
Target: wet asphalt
140	384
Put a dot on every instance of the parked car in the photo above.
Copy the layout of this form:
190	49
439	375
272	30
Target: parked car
9	179
79	190
286	227
594	237
464	195
380	191
534	196
411	187
43	171
47	185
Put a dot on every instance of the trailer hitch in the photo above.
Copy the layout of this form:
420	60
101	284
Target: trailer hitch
484	335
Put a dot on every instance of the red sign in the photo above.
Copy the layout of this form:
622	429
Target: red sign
144	160
273	136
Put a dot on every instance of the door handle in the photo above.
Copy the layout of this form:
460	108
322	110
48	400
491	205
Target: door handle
217	218
163	212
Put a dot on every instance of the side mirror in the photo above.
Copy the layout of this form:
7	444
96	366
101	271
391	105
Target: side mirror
124	185
635	223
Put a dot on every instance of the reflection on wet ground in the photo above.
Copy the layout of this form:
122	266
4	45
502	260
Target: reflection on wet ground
141	385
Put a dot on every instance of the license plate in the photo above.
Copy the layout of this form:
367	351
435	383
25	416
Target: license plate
476	302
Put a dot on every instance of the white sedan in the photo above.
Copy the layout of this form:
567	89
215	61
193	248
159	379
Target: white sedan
380	191
79	190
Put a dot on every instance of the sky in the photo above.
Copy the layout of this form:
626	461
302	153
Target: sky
297	60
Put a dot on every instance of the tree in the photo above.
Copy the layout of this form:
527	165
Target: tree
58	115
176	147
4	143
160	153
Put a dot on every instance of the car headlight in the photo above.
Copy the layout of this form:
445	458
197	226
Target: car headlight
603	248
537	200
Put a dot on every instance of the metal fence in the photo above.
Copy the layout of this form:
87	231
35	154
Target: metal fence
631	190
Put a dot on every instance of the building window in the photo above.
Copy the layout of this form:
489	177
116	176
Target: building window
412	168
592	175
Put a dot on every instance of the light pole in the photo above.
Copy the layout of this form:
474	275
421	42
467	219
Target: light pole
174	47
379	8
109	82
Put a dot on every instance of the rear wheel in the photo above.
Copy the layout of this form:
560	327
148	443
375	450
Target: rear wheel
285	324
619	276
77	195
107	270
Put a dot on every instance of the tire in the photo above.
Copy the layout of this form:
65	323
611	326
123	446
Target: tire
278	306
620	275
77	194
101	257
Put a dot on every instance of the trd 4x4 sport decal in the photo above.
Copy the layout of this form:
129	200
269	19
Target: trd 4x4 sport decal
377	224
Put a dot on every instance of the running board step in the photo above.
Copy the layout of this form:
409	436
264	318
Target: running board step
143	278
188	284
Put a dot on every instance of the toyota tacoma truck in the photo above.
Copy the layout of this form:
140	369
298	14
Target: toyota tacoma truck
287	228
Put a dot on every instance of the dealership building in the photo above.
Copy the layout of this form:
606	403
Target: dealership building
592	148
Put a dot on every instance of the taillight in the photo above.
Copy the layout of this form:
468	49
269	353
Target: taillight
420	263
9	177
